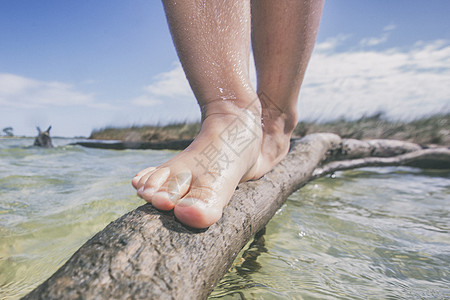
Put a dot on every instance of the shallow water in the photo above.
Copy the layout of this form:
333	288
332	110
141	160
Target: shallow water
369	233
373	233
53	200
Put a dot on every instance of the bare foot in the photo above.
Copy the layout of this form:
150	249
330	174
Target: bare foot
198	182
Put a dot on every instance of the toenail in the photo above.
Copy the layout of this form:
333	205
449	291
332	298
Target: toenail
193	202
140	190
166	195
147	191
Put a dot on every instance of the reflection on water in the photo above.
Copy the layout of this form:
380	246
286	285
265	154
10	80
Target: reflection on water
369	233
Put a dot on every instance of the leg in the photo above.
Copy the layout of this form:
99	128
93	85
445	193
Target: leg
283	37
212	39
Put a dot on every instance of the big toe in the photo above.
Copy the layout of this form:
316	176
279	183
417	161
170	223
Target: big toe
197	213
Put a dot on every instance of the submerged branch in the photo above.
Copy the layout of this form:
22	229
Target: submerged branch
430	158
380	153
147	254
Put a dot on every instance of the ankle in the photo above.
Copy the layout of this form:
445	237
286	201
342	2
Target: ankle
248	105
290	121
279	123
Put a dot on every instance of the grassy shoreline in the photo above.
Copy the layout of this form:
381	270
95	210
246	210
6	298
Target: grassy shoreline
430	130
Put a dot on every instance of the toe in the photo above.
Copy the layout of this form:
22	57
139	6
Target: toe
145	171
162	201
152	183
140	178
197	213
172	190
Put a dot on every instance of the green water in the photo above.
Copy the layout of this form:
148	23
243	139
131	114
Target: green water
375	233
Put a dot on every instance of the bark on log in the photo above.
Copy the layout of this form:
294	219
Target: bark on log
350	154
147	254
429	158
351	148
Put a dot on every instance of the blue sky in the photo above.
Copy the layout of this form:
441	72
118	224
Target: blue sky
81	65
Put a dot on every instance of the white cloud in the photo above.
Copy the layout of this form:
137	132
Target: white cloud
383	38
402	83
390	27
170	84
331	43
21	92
373	41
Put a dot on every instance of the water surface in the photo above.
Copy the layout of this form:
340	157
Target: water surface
54	200
374	233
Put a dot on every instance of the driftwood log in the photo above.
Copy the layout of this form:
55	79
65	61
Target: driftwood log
122	145
147	254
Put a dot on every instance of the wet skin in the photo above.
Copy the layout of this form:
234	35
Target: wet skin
244	133
198	182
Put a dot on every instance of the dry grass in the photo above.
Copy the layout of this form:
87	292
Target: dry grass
431	130
174	131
